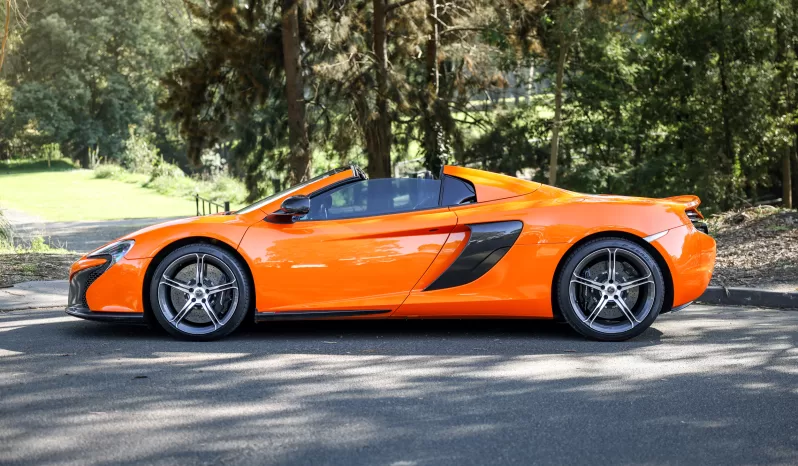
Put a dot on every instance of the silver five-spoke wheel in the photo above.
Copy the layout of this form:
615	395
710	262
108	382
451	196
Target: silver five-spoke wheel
613	290
197	293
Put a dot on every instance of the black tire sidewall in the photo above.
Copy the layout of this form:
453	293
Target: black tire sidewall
239	271
564	282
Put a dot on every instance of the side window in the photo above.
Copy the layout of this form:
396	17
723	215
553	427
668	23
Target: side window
457	191
375	197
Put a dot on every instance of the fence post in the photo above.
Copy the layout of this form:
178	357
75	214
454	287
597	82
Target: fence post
227	206
196	198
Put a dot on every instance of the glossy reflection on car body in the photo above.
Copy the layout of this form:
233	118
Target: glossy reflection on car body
493	247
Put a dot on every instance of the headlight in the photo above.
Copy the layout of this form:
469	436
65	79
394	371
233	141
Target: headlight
116	250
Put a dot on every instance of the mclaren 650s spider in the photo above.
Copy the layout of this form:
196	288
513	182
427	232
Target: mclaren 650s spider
471	244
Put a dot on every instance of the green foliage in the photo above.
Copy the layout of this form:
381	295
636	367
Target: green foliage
35	165
50	152
35	245
660	97
88	69
108	171
517	140
6	233
168	179
139	155
172	184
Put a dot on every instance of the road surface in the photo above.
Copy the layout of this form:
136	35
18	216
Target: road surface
707	385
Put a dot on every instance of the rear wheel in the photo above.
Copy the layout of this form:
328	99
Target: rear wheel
200	292
610	289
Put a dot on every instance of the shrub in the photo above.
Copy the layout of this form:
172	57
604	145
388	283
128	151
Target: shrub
37	244
172	184
5	232
213	163
224	188
166	170
108	171
50	152
140	156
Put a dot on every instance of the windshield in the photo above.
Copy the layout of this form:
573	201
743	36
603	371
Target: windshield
290	190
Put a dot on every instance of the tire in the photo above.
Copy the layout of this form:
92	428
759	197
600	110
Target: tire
606	310
200	313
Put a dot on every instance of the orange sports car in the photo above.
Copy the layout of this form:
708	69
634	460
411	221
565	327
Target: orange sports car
471	244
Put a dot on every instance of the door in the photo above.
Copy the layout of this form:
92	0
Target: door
363	246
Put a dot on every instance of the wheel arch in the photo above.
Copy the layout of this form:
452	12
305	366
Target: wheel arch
663	265
166	250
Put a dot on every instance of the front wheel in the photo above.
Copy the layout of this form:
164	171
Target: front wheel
610	289
200	292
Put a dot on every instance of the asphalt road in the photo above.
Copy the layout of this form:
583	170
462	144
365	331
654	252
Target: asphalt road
705	386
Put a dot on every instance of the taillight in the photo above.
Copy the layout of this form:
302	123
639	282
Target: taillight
698	220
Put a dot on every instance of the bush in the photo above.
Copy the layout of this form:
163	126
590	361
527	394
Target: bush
223	188
171	184
50	152
5	232
108	171
140	156
168	179
166	170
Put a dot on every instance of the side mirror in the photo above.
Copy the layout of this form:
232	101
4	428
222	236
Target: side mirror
296	205
291	207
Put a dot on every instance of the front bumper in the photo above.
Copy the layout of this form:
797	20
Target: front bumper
117	317
84	274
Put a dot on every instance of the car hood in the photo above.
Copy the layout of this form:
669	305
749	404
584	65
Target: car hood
228	229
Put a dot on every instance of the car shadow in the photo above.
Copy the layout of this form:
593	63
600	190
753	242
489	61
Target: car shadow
378	337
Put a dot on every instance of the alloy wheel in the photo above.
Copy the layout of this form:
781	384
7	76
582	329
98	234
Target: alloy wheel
612	290
198	293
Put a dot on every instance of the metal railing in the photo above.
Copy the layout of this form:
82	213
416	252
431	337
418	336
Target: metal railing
211	206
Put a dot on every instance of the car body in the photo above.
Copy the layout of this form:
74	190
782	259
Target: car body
471	244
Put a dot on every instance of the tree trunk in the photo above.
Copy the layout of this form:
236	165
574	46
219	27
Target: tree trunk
786	178
433	137
299	162
530	86
555	130
728	146
6	33
378	127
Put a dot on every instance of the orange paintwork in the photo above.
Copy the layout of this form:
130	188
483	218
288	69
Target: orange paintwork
386	262
492	186
690	255
85	263
120	288
360	263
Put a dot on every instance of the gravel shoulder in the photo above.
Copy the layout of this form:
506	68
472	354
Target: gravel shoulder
24	267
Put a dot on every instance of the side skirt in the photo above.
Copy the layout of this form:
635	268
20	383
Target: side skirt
308	315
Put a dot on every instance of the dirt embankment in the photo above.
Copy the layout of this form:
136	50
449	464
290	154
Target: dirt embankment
757	247
29	266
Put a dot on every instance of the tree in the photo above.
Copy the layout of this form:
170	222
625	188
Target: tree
88	71
11	9
294	94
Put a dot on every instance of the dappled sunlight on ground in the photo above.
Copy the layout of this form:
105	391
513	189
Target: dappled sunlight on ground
702	385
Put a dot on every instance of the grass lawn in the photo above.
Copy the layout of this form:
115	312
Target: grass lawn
65	194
